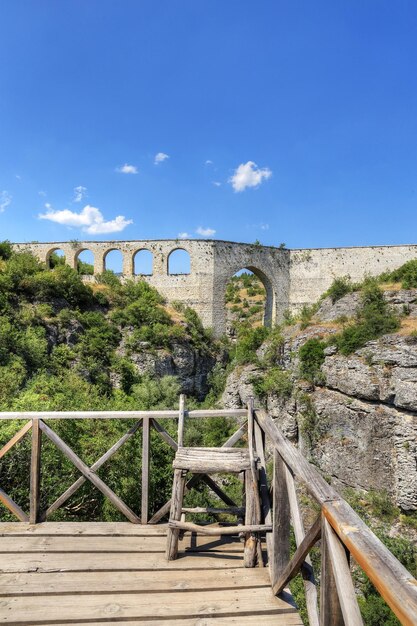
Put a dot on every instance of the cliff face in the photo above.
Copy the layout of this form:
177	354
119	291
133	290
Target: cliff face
359	425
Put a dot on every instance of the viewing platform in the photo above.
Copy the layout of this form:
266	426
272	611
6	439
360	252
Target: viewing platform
116	573
57	573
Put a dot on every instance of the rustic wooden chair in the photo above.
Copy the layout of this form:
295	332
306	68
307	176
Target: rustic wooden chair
213	461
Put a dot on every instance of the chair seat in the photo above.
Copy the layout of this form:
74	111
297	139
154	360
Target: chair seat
207	460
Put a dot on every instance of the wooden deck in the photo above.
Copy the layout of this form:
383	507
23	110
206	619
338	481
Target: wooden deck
114	573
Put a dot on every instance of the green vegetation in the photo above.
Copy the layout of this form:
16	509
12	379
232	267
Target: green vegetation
339	288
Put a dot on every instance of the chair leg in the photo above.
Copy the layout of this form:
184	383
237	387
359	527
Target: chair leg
178	488
253	515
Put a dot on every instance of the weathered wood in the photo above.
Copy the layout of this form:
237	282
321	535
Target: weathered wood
341	573
286	619
393	581
145	471
126	581
112	607
178	488
35	471
15	439
81	480
212	460
252	519
216	531
96	561
76	529
238	510
89	474
330	609
181	416
297	561
79	415
281	520
310	587
164	510
165	436
13	507
263	486
251	441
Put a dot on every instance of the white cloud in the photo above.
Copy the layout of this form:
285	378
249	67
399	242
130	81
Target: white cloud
208	162
184	236
89	219
248	175
205	232
264	226
18	177
80	192
5	200
42	193
160	157
127	169
216	183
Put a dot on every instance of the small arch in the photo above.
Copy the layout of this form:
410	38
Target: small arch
249	300
179	262
55	257
113	261
143	262
85	262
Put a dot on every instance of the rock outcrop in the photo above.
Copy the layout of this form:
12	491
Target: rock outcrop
360	424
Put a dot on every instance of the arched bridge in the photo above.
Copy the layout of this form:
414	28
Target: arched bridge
292	278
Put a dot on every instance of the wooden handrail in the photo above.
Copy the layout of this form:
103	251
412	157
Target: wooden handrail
391	579
82	415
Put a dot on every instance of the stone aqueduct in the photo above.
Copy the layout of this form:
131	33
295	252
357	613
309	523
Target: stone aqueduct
291	278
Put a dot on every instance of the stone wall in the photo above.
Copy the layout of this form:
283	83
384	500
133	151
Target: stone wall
291	278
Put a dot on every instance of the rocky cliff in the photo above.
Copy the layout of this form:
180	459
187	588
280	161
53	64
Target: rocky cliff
358	421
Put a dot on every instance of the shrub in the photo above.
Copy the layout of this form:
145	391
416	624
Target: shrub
249	340
276	381
311	356
374	319
339	288
6	250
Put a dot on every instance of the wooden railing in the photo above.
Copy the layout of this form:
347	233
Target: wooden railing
145	420
340	531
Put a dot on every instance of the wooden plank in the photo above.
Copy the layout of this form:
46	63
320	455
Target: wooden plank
13	507
330	609
145	471
263	487
294	566
35	471
91	476
181	419
220	530
393	581
84	543
165	436
138	582
15	439
239	510
281	520
199	604
287	619
78	483
79	415
92	529
93	561
310	587
341	572
252	519
178	488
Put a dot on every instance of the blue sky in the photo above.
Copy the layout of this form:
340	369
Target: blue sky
284	121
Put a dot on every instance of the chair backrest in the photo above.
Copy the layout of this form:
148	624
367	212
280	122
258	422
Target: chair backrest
251	435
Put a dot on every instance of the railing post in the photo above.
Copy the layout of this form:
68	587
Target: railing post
35	471
281	519
330	609
145	471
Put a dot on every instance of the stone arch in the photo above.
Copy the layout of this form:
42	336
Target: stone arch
143	262
83	260
269	316
55	252
179	262
113	262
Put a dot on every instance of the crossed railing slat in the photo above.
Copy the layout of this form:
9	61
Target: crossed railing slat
38	427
